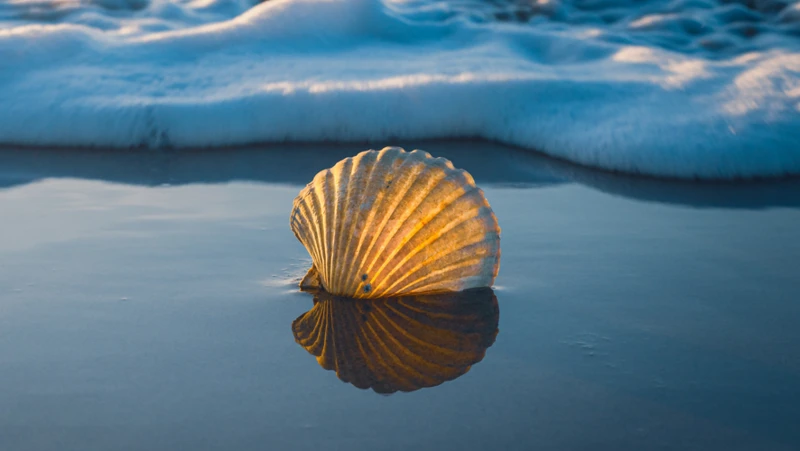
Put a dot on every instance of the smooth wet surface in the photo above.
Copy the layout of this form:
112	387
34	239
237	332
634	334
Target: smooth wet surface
147	302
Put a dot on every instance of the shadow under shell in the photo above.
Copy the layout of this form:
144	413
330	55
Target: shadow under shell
400	343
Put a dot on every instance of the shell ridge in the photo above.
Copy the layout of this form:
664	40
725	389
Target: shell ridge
468	260
382	158
424	311
329	220
297	215
365	349
332	208
424	372
379	366
308	238
334	334
418	310
317	223
416	338
317	335
365	382
425	155
412	374
350	271
299	337
325	357
434	237
464	283
494	226
339	184
393	363
454	176
340	317
320	222
417	226
409	281
338	334
435	240
414	180
352	200
372	253
470	233
305	335
315	232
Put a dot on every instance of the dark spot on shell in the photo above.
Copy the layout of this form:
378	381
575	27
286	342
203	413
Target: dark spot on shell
367	288
363	317
363	277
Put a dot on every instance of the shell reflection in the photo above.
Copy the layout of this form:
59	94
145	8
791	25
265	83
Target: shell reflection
402	343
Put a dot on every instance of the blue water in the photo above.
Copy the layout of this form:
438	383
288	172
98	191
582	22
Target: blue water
146	303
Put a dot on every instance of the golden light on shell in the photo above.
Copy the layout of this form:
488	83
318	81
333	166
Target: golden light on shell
399	344
390	222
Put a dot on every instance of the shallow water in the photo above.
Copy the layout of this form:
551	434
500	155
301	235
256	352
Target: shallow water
147	301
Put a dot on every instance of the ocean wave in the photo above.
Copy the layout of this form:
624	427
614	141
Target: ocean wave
681	88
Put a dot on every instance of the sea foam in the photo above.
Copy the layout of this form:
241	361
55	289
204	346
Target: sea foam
680	88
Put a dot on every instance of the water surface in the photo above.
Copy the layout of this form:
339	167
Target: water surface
147	302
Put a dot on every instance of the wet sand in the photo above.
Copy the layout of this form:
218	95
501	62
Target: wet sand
147	302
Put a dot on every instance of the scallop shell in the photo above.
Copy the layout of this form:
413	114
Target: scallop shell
391	222
402	343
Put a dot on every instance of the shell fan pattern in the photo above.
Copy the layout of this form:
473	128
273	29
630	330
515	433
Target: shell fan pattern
390	223
399	344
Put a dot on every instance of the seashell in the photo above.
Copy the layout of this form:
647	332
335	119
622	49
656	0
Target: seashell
401	343
391	222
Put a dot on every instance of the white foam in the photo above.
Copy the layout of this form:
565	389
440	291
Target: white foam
683	88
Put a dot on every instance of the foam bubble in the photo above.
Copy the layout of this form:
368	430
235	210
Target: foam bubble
681	88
